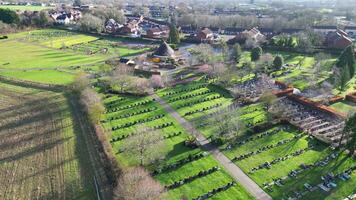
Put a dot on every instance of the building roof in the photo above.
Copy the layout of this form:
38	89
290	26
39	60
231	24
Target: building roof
164	50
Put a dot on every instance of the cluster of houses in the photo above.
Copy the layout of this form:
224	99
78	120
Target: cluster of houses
64	17
26	4
138	26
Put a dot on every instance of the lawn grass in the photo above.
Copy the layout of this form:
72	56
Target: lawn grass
23	8
41	76
344	106
176	151
19	55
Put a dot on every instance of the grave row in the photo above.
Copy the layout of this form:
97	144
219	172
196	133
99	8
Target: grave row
265	148
215	191
184	90
140	121
203	109
130	106
188	96
121	137
179	163
131	114
199	101
191	178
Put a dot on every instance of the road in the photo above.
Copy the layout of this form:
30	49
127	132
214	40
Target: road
233	169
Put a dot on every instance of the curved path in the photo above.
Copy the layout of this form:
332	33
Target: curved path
233	169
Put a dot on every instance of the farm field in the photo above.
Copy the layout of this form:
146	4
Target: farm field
126	109
43	153
284	140
23	8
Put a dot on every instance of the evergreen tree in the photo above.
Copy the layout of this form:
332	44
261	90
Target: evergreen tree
236	52
173	35
278	62
350	132
256	53
9	16
347	61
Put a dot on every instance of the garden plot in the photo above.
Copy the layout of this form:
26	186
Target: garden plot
279	160
43	154
185	171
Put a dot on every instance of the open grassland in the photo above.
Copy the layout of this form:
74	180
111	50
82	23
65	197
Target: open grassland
23	8
122	110
20	55
42	150
41	76
294	141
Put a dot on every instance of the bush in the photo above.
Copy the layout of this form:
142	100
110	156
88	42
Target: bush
278	62
256	53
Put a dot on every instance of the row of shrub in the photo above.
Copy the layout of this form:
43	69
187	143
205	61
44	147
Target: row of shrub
184	90
130	106
132	114
199	101
163	125
3	37
265	148
191	178
215	191
140	121
112	103
121	137
179	163
241	142
203	109
188	96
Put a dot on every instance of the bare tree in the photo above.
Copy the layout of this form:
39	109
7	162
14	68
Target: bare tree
122	77
81	81
137	184
146	145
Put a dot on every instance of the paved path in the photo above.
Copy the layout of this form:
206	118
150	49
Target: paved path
233	169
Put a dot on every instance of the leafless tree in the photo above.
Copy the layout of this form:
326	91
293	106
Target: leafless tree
146	145
137	184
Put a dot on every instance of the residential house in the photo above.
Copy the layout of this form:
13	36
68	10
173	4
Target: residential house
111	26
205	35
253	34
131	27
351	31
324	30
158	32
337	40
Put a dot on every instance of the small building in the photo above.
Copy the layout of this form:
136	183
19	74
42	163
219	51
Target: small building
131	27
205	35
112	26
164	51
324	30
337	40
158	32
62	19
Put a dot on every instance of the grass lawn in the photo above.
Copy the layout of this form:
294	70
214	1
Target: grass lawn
41	76
176	150
54	38
344	106
21	55
23	8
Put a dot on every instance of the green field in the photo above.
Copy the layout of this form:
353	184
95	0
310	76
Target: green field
23	8
39	55
344	106
175	148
